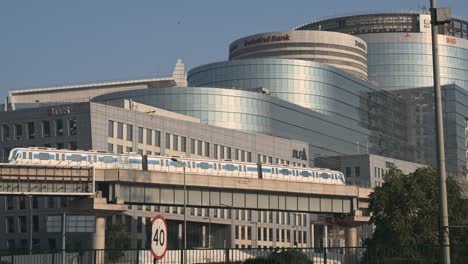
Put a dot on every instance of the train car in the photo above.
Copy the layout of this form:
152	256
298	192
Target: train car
55	157
224	168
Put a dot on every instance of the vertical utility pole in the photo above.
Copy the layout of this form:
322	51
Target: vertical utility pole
443	212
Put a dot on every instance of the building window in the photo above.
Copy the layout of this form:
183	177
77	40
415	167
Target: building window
277	235
10	224
119	130
119	149
168	141
6	132
9	202
242	156
265	238
259	233
72	127
18	131
149	135
237	231
242	230
22	224
59	127
236	154
207	149
30	130
139	225
129	133
221	152
175	142
35	223
215	151
140	135
348	172
110	147
110	128
183	144
200	148
157	138
129	149
228	153
73	145
270	234
192	146
357	171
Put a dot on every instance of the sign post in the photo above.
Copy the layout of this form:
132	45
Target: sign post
158	237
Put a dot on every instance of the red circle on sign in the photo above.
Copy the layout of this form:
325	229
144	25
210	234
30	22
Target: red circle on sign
165	248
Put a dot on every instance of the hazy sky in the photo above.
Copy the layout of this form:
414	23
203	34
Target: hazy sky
49	43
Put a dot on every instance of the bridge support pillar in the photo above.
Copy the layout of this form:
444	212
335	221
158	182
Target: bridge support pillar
204	236
99	237
351	242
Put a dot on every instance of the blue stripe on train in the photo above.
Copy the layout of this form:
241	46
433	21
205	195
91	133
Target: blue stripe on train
251	168
155	162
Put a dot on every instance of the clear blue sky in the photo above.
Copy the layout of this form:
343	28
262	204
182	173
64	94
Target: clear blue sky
48	43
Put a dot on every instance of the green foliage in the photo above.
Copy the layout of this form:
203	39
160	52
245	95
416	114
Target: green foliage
283	257
405	212
117	240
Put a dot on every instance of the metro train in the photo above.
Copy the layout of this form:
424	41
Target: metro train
228	168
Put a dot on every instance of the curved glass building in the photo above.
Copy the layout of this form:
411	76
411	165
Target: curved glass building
335	112
399	47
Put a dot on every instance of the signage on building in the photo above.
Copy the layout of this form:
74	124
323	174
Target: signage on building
58	110
268	39
359	44
299	154
158	237
452	41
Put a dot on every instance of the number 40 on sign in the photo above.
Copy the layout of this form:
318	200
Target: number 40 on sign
158	237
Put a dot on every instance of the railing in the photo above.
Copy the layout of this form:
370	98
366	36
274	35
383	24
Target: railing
335	255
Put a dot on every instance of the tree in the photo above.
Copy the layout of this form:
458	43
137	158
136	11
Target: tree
404	211
117	240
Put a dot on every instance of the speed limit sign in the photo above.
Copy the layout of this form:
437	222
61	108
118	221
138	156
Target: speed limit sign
158	237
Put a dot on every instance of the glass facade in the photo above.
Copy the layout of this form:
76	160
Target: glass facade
257	112
455	127
400	61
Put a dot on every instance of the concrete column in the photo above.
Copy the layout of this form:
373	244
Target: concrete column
351	241
325	235
99	237
312	236
351	238
204	236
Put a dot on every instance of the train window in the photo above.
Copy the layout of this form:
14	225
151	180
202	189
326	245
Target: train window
230	167
305	174
44	156
94	158
57	156
89	158
75	157
30	155
284	171
63	156
204	165
24	155
107	159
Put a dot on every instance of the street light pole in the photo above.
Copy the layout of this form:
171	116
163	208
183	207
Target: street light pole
185	207
443	212
232	221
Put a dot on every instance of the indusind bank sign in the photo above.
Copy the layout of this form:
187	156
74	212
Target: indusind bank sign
267	39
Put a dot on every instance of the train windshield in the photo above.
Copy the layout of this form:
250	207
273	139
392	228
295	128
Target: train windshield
13	155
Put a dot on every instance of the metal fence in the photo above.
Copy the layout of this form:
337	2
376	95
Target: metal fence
335	255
